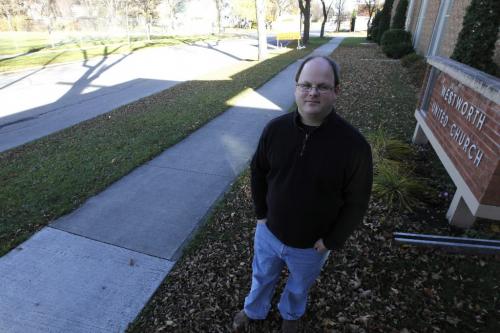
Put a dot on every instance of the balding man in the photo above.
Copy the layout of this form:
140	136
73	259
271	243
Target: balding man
311	182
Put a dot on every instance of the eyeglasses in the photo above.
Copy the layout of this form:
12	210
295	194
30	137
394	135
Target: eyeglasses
306	87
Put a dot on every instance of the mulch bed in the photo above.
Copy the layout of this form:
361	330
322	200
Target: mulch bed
373	284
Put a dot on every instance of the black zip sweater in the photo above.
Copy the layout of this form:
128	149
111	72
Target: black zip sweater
311	185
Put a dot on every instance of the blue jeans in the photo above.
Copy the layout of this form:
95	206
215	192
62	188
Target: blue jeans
270	256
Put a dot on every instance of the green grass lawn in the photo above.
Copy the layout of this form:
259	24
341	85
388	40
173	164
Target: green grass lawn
52	176
36	49
20	42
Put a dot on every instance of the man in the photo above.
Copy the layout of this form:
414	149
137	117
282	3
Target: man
311	182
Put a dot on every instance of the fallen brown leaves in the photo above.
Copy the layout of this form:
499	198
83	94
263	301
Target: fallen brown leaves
372	285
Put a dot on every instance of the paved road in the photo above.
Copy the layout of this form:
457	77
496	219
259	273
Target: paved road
38	102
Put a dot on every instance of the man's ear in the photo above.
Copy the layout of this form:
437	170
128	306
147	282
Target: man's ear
336	89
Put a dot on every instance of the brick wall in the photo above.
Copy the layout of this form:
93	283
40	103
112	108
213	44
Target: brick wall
414	17
427	26
453	26
483	179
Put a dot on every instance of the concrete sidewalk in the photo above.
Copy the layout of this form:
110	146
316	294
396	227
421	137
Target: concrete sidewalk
95	269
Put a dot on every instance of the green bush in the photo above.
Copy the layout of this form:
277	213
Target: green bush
394	184
373	30
386	148
476	41
397	189
385	20
396	43
399	19
409	59
416	65
373	34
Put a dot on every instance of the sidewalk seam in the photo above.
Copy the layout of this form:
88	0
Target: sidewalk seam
187	170
110	244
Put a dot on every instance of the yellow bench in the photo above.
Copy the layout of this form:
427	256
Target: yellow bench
288	36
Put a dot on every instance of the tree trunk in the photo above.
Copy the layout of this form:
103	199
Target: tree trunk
370	15
9	22
325	16
261	28
51	37
306	12
322	32
218	6
148	29
127	26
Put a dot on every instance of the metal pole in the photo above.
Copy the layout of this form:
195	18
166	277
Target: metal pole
458	244
260	7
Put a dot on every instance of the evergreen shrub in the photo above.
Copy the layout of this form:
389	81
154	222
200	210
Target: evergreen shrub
396	43
353	19
476	41
385	20
416	65
409	59
399	19
373	30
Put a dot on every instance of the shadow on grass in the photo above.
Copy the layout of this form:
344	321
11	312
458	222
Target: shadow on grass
30	51
35	49
214	48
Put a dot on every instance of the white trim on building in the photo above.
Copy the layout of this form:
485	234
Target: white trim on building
420	22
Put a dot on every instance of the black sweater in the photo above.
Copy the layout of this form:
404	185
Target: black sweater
311	185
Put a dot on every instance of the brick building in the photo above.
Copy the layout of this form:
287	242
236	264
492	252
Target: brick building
435	25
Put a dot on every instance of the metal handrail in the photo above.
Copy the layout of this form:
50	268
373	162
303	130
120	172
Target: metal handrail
485	246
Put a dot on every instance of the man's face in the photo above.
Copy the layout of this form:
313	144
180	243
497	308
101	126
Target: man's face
316	103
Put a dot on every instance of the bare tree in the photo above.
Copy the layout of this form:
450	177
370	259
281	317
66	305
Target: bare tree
339	12
125	5
11	8
172	8
244	9
112	7
305	10
50	10
325	17
148	10
282	6
219	5
371	7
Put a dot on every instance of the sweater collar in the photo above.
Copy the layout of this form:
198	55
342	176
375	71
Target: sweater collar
297	120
